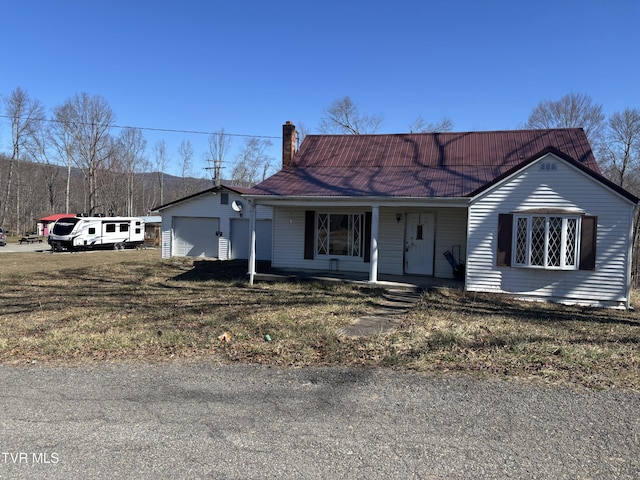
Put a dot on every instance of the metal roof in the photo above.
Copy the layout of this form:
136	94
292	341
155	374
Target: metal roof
416	165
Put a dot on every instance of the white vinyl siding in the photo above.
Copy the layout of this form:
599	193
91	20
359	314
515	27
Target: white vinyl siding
288	234
565	188
240	236
390	242
451	225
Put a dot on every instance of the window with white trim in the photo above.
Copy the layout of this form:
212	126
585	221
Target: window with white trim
339	234
546	241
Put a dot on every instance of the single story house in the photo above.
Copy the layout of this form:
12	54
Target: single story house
523	212
44	224
213	224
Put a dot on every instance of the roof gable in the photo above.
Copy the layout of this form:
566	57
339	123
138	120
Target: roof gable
416	165
216	189
557	153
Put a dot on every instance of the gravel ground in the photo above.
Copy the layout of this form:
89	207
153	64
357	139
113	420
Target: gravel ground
243	422
25	247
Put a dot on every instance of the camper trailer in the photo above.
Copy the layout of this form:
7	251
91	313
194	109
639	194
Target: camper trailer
82	233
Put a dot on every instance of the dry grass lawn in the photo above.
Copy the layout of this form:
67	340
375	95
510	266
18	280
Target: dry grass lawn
132	306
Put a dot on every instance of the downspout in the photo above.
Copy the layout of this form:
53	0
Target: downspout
630	259
466	258
252	241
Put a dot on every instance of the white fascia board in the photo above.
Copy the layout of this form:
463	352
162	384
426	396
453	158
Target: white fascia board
301	201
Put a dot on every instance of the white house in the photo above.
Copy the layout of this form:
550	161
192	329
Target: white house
214	223
522	212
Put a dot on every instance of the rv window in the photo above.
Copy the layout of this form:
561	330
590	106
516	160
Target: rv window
92	230
137	223
137	231
64	226
110	227
124	227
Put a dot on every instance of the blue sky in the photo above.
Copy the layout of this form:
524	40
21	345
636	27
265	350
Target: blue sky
248	66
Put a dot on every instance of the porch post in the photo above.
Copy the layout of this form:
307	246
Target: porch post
252	242
373	264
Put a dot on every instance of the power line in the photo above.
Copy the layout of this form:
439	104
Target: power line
152	129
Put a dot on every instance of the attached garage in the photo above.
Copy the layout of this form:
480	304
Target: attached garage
195	237
214	223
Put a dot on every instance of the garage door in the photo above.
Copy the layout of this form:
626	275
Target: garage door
195	237
240	239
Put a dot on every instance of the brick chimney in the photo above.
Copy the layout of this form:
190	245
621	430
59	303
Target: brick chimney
288	143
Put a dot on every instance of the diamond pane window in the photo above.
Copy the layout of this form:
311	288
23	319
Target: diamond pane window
537	241
554	241
570	248
521	241
546	241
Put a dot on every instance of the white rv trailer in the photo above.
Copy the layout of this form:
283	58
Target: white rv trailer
82	233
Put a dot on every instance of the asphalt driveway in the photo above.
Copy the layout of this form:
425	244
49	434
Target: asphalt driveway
243	422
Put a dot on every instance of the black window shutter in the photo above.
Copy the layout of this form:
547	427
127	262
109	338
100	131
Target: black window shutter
367	237
505	232
588	236
309	234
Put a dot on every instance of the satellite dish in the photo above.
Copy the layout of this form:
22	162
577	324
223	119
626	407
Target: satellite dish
237	206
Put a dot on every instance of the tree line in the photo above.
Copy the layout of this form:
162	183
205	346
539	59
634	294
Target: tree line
69	160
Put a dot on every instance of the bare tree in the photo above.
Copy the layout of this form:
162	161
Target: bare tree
620	153
113	185
301	132
89	120
161	159
574	110
41	152
63	139
219	144
253	164
445	124
26	116
185	152
131	147
343	116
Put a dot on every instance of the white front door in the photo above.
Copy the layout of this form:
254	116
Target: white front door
419	243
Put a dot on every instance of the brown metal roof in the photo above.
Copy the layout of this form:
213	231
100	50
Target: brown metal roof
416	165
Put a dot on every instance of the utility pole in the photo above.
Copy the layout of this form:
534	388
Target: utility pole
217	169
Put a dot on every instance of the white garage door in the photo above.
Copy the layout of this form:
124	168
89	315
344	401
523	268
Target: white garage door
240	239
195	237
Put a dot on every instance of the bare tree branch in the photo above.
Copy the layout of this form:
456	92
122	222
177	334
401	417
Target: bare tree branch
445	124
343	116
574	110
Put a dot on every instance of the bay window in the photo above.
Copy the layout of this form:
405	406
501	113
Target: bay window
547	240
